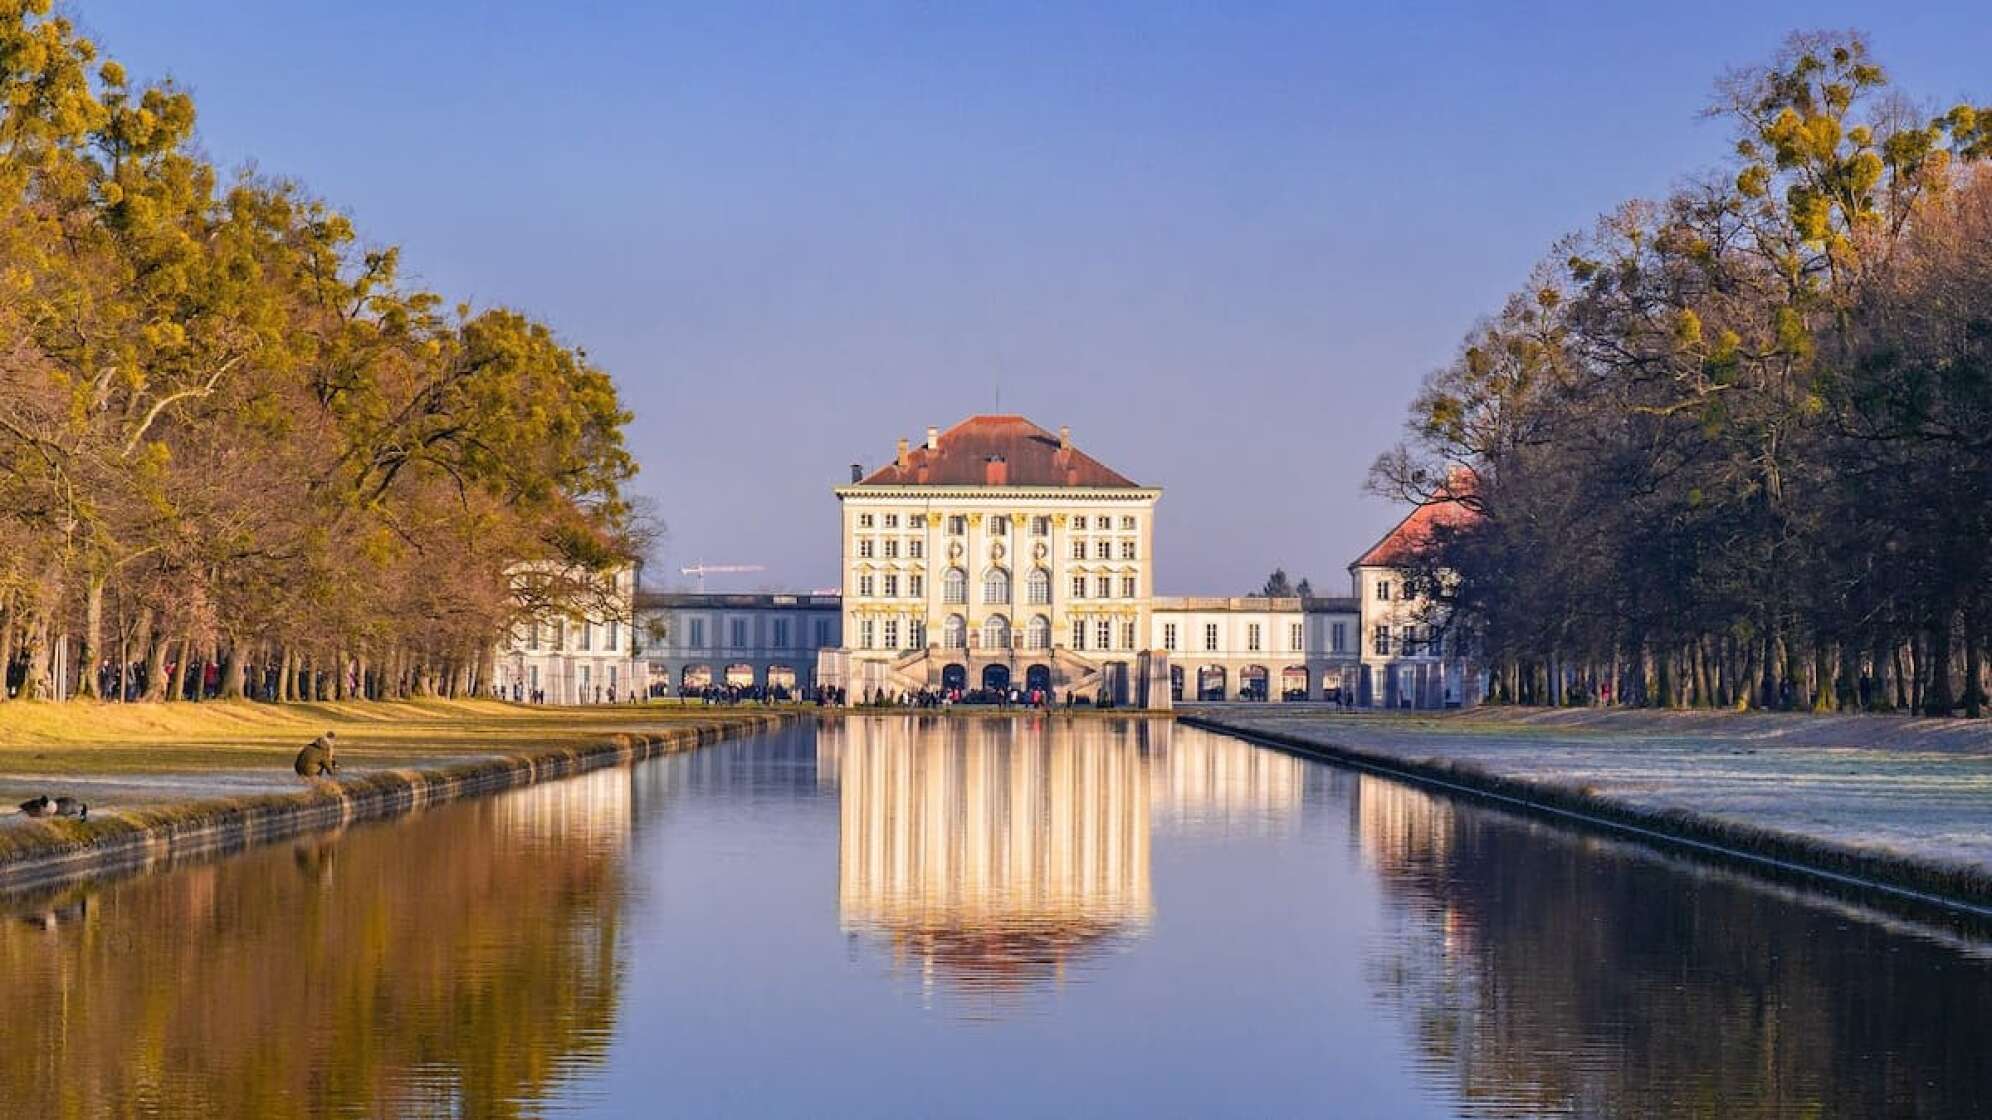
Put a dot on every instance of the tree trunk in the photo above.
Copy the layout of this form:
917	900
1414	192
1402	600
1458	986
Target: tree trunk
35	685
6	644
232	671
1938	699
1974	691
92	650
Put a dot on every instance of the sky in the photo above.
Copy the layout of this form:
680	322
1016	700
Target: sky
1223	242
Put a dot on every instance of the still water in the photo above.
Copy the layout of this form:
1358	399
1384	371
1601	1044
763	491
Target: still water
899	916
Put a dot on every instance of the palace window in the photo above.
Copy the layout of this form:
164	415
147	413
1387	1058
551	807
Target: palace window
916	521
822	632
781	635
1038	587
864	585
1040	526
1127	587
1127	549
999	525
891	586
1338	637
697	632
614	632
957	525
996	632
559	635
1127	523
1169	635
1039	634
1210	637
864	521
916	548
1381	640
1410	641
532	636
891	548
1103	522
1103	550
916	634
892	633
1383	591
1252	637
864	548
1127	635
866	630
954	586
586	640
954	632
892	521
996	586
1078	587
1296	635
1103	587
1078	633
739	633
1104	631
916	585
1078	550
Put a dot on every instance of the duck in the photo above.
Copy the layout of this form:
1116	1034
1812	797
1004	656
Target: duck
70	807
38	806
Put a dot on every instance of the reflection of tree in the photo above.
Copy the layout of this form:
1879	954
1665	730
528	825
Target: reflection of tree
462	961
1541	971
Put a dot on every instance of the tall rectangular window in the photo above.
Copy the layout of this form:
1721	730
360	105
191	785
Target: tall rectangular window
892	548
1169	635
916	548
1078	633
1078	550
1210	637
739	633
781	626
587	635
1338	637
1078	587
1040	526
1103	523
1104	631
892	521
916	634
865	585
532	636
957	525
1383	590
864	521
999	525
865	633
822	632
698	632
865	547
615	633
1127	587
1410	639
1103	587
892	633
891	585
1380	642
1252	637
1103	550
1296	636
916	585
1127	635
1127	523
1127	549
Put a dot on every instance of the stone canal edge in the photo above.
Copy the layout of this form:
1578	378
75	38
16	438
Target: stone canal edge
1918	884
155	837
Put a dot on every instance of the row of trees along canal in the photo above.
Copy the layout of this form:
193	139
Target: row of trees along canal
1734	447
231	438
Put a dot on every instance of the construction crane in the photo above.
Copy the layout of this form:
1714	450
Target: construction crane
701	568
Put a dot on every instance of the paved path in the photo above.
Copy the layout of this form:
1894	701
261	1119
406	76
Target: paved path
1907	788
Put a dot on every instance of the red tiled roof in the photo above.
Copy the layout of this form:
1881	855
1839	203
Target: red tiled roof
1401	545
996	451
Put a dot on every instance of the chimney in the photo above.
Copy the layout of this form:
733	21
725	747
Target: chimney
996	472
1064	437
933	438
902	455
857	472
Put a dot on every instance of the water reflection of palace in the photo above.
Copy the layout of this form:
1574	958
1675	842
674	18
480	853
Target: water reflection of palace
993	852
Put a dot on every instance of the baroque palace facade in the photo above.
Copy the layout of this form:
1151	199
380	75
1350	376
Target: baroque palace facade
996	554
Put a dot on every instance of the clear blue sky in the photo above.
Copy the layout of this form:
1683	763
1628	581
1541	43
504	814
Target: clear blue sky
1223	242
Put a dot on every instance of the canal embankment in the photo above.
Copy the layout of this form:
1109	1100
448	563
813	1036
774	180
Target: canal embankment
167	782
1895	805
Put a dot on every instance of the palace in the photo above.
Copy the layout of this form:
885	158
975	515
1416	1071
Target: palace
997	554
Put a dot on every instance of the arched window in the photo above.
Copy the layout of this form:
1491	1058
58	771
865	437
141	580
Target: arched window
954	586
1039	587
996	632
996	585
955	633
1039	634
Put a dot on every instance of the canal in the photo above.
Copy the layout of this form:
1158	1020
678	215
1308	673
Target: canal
896	916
